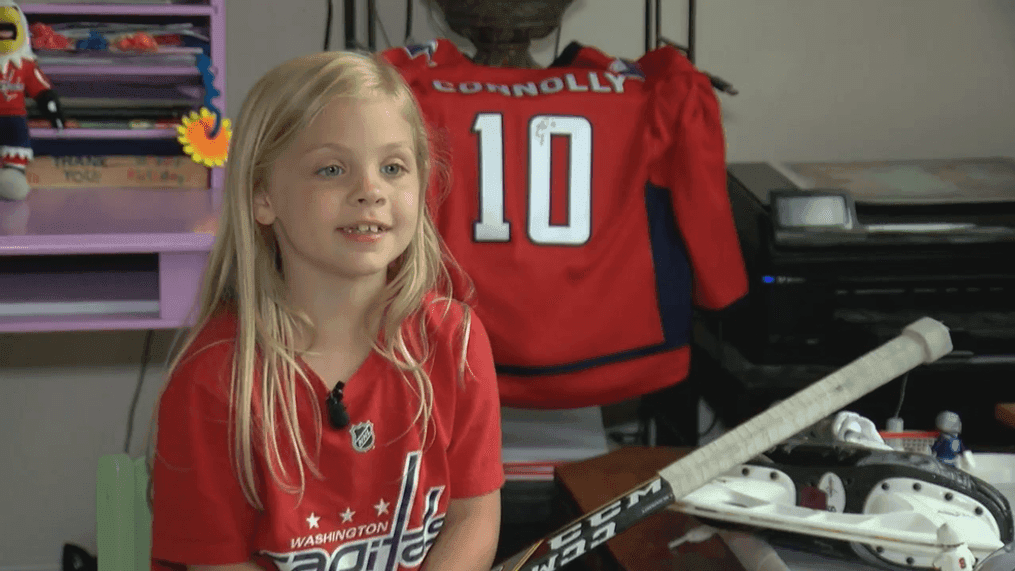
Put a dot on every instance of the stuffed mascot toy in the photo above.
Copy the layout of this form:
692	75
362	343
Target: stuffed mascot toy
19	77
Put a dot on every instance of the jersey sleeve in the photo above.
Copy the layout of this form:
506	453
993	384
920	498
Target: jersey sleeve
474	452
35	81
200	515
692	164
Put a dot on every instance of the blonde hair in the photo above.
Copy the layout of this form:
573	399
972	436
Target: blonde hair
244	269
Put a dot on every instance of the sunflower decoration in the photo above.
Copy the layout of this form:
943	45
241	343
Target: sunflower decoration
205	137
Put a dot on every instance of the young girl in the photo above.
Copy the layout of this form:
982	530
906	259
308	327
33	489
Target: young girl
334	408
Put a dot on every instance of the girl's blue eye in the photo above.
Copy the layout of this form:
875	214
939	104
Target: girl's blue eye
331	170
393	169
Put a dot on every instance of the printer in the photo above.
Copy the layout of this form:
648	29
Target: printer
841	256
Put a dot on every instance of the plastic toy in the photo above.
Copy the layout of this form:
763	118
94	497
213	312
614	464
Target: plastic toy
198	141
20	77
45	38
137	42
94	41
948	448
205	134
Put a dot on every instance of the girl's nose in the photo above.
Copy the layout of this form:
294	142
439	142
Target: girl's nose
369	192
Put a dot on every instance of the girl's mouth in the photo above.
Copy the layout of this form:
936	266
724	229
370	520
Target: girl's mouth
366	229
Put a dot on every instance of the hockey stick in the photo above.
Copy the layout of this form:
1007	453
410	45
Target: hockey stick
923	341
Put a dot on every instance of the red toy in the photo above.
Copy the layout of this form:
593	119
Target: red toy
44	38
138	42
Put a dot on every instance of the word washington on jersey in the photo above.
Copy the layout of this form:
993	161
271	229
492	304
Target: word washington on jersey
398	547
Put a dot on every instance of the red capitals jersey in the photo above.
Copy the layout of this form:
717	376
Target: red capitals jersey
589	206
384	494
17	81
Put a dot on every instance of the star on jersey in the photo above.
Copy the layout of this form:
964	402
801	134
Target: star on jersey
381	507
312	520
347	515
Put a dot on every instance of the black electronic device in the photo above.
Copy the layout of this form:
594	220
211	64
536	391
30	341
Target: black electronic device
338	415
838	255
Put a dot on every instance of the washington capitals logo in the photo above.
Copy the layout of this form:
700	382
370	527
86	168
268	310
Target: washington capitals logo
10	86
629	68
426	49
397	546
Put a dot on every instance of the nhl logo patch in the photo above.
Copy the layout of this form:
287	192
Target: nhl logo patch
362	435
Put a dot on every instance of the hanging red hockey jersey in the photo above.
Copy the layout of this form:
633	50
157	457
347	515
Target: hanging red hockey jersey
589	206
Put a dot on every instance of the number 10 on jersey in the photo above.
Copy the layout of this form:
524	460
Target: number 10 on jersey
491	226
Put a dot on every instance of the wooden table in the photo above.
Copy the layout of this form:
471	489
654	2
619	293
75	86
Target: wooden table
591	483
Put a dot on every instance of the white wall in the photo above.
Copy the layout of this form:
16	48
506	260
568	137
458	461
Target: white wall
818	80
863	79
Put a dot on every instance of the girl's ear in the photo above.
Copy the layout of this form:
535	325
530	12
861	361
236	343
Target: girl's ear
263	212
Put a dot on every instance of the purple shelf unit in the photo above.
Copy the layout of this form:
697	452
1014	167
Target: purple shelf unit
104	134
214	10
207	9
128	71
94	258
110	259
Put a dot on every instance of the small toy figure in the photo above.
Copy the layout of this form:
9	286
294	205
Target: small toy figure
948	448
19	77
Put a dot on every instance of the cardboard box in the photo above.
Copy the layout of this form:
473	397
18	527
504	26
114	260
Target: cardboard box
112	171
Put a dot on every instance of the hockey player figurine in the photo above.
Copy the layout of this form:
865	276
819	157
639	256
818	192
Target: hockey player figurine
19	77
955	557
948	448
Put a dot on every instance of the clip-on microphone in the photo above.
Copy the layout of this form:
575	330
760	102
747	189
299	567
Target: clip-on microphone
337	413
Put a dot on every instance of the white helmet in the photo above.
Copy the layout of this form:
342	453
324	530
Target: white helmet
947	535
948	421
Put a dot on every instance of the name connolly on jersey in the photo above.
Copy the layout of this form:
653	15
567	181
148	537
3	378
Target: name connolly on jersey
399	546
613	83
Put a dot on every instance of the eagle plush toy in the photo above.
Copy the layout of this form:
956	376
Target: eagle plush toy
19	77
